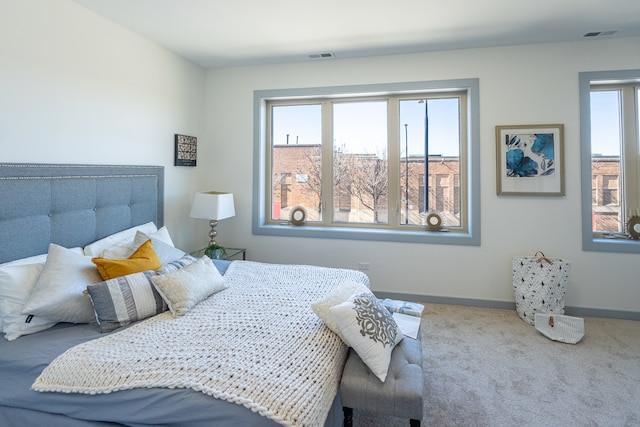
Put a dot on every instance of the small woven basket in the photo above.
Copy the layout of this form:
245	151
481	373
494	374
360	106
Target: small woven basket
559	327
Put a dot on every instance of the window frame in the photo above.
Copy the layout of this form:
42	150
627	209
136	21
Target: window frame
599	241
471	236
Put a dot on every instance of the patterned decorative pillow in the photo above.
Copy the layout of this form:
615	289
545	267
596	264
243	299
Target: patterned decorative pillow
185	288
176	265
369	328
126	299
338	295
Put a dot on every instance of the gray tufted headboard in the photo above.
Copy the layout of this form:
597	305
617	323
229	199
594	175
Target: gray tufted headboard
73	205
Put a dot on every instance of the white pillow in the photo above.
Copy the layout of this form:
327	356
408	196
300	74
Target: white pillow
118	251
338	295
162	245
369	329
58	294
96	248
185	288
123	250
162	234
36	259
16	284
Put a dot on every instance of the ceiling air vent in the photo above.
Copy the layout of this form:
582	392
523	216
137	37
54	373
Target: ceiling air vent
600	33
322	55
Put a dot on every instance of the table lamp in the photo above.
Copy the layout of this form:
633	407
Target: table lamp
214	206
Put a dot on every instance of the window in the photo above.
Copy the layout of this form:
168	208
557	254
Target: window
610	120
375	160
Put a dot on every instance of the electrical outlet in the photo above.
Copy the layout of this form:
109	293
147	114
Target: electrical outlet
363	265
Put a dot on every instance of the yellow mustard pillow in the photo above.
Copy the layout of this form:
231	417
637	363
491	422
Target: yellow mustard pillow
143	259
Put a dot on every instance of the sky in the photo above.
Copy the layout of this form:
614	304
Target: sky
605	123
361	126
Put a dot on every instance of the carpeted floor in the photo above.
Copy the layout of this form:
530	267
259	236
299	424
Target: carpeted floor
486	367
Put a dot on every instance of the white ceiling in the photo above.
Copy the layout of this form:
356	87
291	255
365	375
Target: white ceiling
225	33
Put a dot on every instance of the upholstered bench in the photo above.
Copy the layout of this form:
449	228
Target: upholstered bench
401	394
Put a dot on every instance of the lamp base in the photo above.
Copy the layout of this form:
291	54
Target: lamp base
212	234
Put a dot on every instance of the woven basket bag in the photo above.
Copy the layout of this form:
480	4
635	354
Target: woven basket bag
539	284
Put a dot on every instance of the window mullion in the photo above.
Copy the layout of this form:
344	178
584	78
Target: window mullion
463	167
393	159
268	181
327	162
630	159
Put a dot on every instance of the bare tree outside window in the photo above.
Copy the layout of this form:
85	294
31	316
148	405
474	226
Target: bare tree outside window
370	187
312	166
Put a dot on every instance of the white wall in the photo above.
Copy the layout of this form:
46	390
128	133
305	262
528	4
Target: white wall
76	88
532	84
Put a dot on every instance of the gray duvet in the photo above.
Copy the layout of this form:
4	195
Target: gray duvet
22	360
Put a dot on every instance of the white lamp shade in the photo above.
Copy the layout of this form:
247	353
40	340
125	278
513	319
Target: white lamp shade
212	205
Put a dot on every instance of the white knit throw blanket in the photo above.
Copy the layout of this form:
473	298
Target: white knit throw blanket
257	344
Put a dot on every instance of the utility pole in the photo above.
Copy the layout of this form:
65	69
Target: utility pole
426	156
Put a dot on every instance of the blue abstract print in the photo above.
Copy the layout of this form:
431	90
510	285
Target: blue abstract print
530	155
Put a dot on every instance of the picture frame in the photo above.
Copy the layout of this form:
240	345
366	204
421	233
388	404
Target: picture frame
186	150
530	160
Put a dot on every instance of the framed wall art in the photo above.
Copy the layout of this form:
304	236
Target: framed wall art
186	150
530	160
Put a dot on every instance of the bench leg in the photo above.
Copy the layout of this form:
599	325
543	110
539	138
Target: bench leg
414	423
348	416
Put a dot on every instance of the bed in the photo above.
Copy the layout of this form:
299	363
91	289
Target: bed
75	206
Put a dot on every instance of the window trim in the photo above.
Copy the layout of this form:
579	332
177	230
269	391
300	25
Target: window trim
470	237
596	241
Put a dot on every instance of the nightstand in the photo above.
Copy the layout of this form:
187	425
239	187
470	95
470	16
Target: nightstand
232	253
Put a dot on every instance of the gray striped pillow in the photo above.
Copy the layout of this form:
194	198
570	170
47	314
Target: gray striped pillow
123	300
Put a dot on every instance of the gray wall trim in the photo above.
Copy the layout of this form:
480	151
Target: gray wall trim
506	305
597	312
589	241
471	238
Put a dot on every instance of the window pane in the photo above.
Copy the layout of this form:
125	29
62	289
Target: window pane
296	147
360	173
441	191
606	184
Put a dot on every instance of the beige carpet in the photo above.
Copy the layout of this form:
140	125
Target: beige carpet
486	367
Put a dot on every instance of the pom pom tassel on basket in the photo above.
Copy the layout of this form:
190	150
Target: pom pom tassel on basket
539	284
